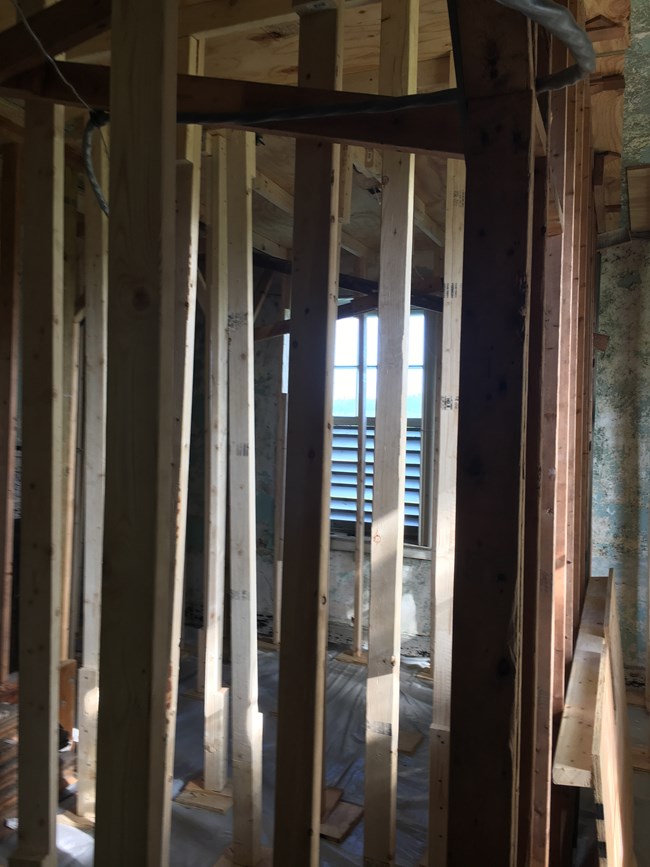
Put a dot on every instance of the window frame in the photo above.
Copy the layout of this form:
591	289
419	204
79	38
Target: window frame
418	539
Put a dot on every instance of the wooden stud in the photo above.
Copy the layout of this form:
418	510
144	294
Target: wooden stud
442	597
563	411
545	636
10	222
40	561
133	772
216	470
70	406
188	191
306	552
492	415
96	283
246	719
397	76
360	524
278	521
532	655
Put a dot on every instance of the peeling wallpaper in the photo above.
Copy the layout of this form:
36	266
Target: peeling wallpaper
621	474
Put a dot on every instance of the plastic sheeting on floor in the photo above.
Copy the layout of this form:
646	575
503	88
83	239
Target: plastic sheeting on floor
199	837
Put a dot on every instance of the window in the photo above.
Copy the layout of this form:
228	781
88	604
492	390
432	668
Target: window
354	409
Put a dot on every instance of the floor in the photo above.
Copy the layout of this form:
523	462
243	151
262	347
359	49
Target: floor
200	837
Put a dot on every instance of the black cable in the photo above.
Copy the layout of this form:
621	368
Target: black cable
381	105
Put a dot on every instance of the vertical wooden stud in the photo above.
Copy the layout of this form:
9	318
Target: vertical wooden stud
40	561
216	469
96	281
133	772
360	525
10	221
442	598
492	416
303	649
246	719
397	76
70	405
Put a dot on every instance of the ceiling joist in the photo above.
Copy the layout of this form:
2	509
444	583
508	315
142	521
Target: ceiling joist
425	129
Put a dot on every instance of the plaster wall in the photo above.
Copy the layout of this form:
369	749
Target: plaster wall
621	443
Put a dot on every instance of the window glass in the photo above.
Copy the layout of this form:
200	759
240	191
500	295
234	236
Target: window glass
346	349
416	339
371	392
346	402
372	335
414	392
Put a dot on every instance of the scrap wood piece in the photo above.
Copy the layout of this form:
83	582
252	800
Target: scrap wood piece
572	764
353	658
194	794
593	748
638	183
409	741
341	821
228	858
601	341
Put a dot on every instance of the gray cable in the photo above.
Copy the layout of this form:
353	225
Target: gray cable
561	23
96	121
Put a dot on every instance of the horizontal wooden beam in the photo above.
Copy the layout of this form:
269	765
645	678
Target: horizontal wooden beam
422	289
235	104
276	195
364	304
59	27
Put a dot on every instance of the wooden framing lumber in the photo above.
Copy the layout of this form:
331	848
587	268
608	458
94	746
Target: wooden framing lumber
545	606
431	129
564	409
276	195
532	654
188	193
279	513
59	26
215	769
593	748
10	221
246	719
306	551
40	561
493	365
442	595
397	76
572	763
96	284
133	775
360	522
70	396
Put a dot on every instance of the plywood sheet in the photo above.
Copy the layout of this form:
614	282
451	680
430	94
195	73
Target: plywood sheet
638	184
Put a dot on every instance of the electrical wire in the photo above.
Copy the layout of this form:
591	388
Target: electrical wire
559	21
379	105
96	121
555	18
48	57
